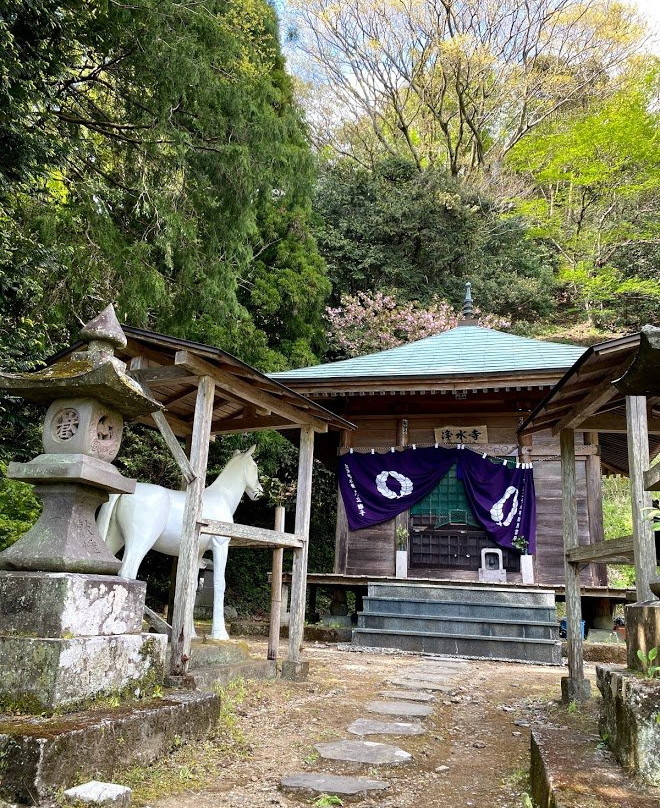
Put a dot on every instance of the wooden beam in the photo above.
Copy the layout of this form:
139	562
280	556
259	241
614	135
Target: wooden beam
299	571
166	431
652	478
186	576
276	590
576	688
249	391
174	446
260	535
156	622
638	463
610	422
621	548
589	404
228	426
163	374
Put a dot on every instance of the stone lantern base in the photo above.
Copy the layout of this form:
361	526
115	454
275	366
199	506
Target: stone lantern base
70	639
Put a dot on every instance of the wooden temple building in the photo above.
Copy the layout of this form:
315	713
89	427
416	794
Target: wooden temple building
475	386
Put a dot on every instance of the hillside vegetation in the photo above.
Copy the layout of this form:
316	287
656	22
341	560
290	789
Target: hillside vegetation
167	157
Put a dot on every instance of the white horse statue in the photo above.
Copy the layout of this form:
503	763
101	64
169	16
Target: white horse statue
152	518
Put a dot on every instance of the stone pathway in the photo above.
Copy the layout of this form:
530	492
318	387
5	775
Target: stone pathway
417	687
366	726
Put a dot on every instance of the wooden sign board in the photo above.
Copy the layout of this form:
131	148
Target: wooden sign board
461	434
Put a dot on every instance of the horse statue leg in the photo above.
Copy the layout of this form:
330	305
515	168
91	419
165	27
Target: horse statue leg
220	547
141	518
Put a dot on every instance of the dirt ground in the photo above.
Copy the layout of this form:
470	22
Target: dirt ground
268	729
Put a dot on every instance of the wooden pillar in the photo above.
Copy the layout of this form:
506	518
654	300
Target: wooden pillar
299	572
186	577
574	687
594	490
276	590
594	475
638	462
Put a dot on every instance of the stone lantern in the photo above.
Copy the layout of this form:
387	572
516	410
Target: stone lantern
70	630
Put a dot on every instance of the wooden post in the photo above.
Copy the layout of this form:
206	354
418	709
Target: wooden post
594	475
276	590
638	462
574	687
186	577
299	572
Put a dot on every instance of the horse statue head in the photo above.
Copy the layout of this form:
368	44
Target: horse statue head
253	487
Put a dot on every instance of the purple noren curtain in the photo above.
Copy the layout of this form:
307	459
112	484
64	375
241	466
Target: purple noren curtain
376	487
502	499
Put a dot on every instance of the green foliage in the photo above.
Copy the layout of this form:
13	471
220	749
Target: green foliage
327	800
425	234
647	659
19	509
617	522
154	153
593	193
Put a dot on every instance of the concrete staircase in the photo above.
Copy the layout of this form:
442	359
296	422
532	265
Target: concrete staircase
469	621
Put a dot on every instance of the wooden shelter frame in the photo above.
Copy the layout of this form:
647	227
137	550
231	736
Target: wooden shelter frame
207	392
614	386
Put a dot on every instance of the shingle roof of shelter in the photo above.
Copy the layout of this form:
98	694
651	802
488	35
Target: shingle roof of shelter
245	400
463	351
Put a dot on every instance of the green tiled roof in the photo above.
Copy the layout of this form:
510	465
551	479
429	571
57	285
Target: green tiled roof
465	350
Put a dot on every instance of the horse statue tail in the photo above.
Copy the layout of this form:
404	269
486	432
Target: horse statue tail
107	526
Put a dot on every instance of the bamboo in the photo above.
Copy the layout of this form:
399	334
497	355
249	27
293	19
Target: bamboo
276	590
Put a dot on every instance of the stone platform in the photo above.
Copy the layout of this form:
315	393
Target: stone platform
216	663
68	640
40	756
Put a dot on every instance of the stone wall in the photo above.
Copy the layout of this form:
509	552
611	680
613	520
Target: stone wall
630	720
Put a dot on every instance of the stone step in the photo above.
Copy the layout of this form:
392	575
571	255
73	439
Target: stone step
490	594
368	726
459	625
452	608
375	754
402	709
326	783
546	652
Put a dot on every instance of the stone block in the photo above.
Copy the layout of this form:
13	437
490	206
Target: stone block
43	674
642	630
97	793
629	720
295	671
66	604
40	756
574	689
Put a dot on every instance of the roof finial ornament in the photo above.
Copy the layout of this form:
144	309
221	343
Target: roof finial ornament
468	308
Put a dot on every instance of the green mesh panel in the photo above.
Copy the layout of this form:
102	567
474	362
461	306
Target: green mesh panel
447	503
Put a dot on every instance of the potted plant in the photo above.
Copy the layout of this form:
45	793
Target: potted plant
401	551
526	561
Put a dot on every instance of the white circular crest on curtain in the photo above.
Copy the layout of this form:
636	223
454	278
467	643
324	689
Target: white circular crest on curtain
497	511
386	491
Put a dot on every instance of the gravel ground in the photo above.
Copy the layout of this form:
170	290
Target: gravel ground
475	751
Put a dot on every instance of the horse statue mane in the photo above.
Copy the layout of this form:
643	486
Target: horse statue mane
152	519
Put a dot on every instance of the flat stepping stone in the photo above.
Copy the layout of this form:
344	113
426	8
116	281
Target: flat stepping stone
431	677
367	726
363	752
421	684
407	695
332	783
402	708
